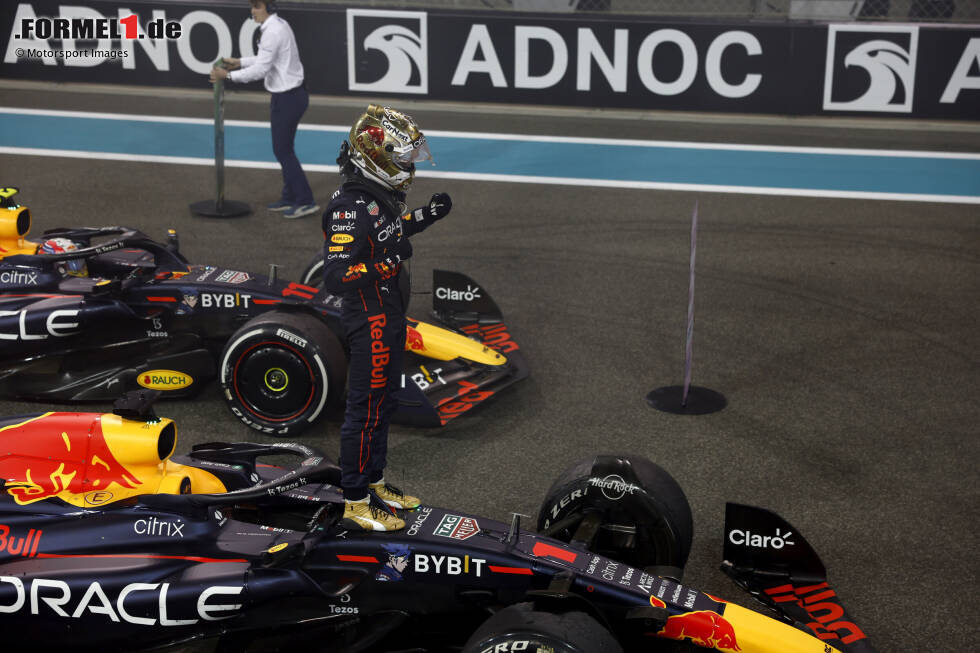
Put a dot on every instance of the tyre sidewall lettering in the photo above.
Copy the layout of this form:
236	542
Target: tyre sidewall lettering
522	643
300	345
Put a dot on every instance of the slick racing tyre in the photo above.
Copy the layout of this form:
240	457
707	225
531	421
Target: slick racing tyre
520	628
281	371
643	516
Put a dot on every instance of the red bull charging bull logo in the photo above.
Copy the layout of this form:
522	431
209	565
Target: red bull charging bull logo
413	340
58	453
703	627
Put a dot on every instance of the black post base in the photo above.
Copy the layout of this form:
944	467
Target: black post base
228	209
700	401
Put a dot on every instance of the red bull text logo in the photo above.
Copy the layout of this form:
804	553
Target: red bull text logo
467	395
495	336
25	546
58	452
355	271
822	605
379	351
703	627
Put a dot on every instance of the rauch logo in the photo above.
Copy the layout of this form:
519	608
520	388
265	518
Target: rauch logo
164	380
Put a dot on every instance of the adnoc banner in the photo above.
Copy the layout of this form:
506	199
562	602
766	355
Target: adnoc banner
887	70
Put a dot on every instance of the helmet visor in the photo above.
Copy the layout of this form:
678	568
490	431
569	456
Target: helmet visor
411	153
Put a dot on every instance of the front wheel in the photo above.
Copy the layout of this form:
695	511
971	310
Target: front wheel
281	371
643	517
520	627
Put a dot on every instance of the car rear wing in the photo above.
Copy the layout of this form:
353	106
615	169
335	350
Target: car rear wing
769	558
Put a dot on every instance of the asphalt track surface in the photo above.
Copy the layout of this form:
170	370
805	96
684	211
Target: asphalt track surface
842	332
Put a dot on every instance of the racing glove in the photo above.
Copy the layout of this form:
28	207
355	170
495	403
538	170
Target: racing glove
418	219
438	207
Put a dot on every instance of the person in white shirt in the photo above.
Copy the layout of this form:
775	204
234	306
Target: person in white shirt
278	65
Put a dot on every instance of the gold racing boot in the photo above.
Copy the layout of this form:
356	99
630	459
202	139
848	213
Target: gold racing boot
365	517
393	496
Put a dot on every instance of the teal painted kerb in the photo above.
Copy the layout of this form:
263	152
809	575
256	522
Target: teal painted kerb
460	154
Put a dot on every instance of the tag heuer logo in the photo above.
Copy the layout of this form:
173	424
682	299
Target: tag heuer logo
456	527
387	51
870	68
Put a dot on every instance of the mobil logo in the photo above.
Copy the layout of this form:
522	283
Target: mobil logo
44	456
164	380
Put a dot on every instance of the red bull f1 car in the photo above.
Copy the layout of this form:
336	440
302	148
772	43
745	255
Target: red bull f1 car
88	314
109	541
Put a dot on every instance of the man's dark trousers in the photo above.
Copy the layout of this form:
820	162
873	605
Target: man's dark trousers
288	108
376	334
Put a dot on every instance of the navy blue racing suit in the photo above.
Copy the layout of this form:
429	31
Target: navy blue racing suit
366	244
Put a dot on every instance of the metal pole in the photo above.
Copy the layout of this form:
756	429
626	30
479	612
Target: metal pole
219	140
703	400
219	208
689	347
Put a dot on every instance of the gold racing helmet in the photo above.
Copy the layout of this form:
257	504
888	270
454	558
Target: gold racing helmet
385	144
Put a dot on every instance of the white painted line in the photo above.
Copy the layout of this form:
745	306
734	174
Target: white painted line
107	116
117	156
530	138
708	188
519	179
179	120
690	145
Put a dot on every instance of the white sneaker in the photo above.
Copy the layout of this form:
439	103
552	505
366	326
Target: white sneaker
300	211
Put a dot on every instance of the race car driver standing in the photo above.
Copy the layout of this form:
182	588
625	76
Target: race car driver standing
367	229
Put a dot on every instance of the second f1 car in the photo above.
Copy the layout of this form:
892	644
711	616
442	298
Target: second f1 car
89	314
108	541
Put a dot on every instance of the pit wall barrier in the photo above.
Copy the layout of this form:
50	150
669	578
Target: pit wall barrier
791	68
